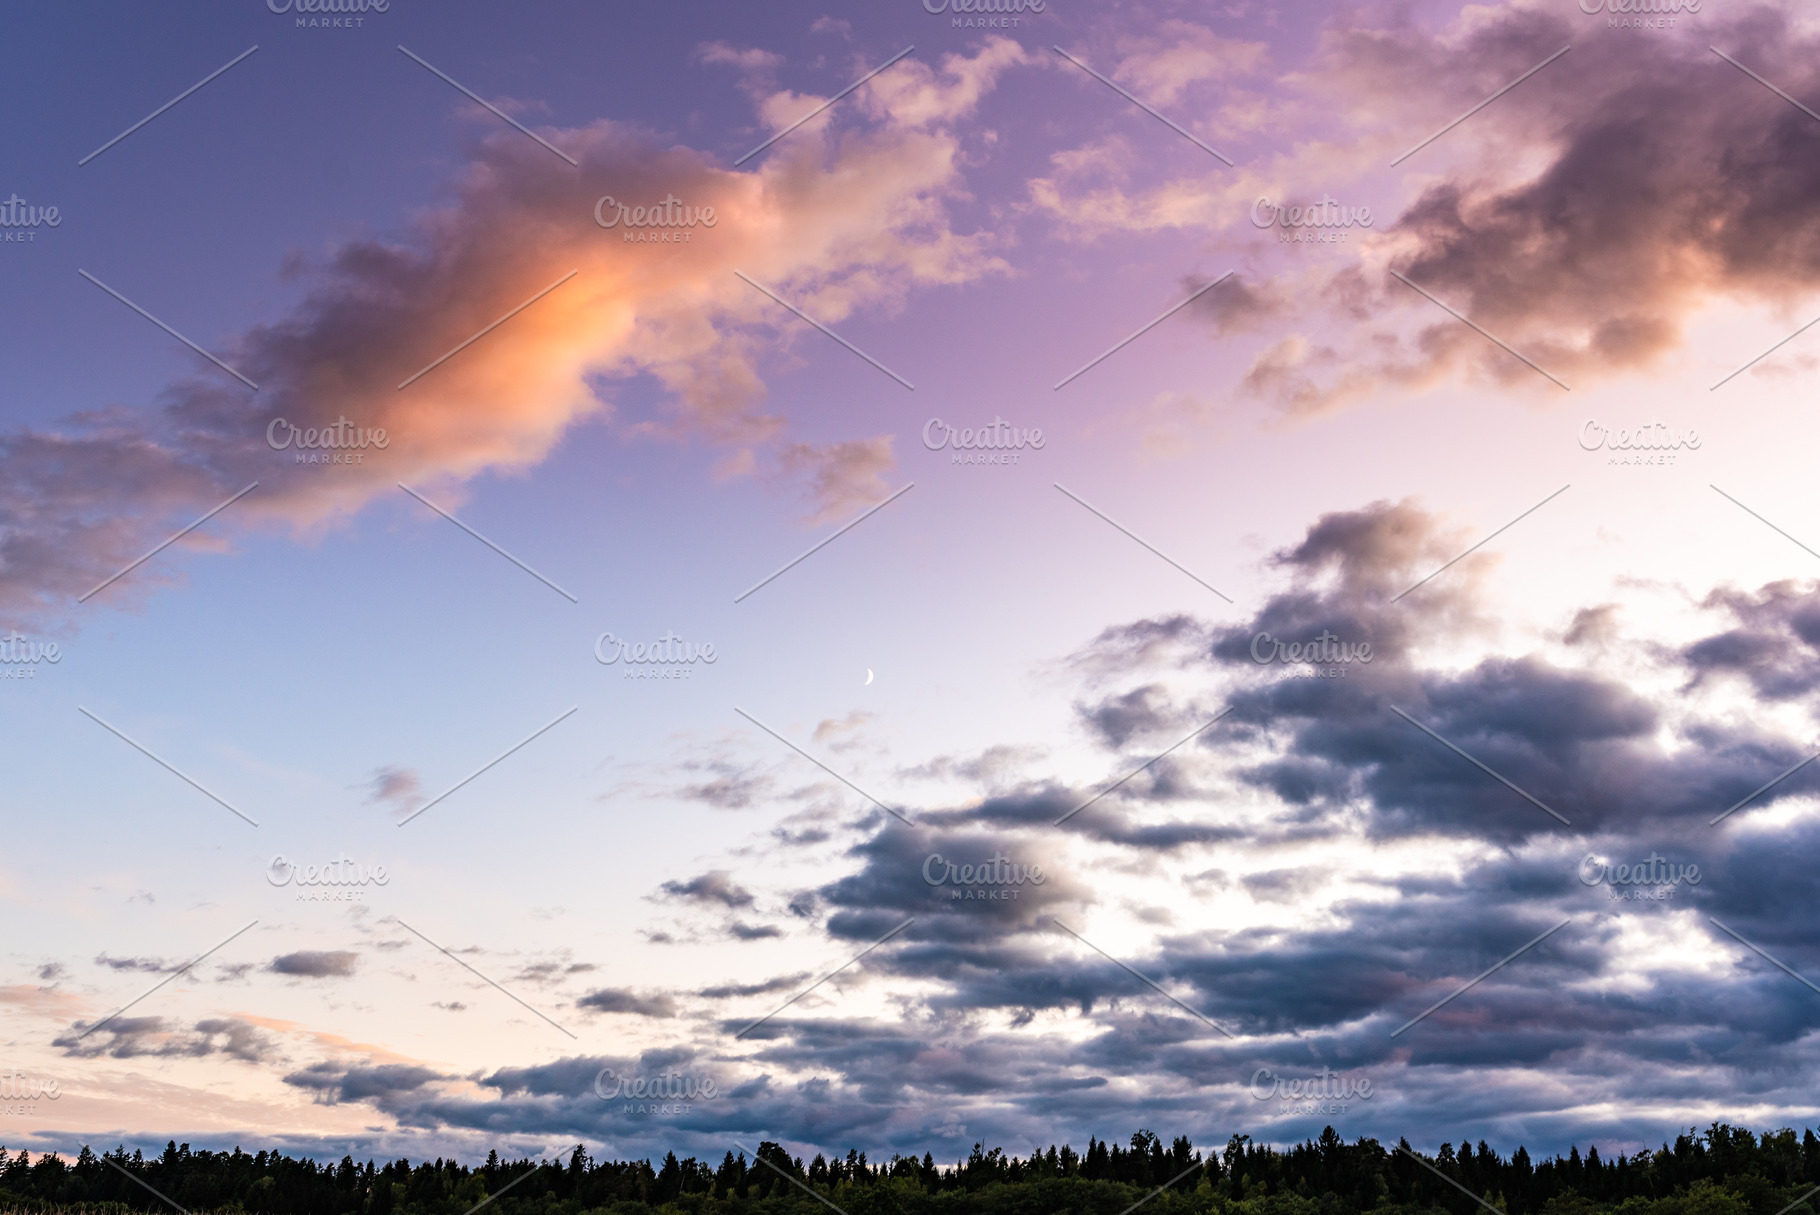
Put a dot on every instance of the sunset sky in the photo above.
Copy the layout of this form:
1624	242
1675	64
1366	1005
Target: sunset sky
653	435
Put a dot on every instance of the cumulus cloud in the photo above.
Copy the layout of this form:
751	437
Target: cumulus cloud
1584	219
838	225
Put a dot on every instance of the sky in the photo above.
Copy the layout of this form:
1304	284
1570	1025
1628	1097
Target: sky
1376	600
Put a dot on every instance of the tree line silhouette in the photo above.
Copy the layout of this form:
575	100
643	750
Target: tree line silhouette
1724	1170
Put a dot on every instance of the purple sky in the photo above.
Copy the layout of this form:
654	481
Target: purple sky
1329	610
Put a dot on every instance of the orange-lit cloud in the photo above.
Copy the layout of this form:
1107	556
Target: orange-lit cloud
834	220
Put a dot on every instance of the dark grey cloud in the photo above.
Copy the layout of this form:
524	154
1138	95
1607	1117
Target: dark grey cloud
382	1084
316	964
1668	178
135	1037
716	888
733	991
149	965
1774	645
1005	1027
622	1000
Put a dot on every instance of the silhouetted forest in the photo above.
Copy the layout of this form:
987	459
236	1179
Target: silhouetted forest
1724	1170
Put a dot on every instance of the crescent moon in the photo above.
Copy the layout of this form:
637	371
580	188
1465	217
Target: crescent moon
868	674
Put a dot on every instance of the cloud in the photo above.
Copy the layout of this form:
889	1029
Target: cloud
841	477
715	887
731	788
1773	647
135	1037
1585	219
149	965
836	225
552	972
316	964
382	1084
622	1000
1178	54
736	991
397	786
